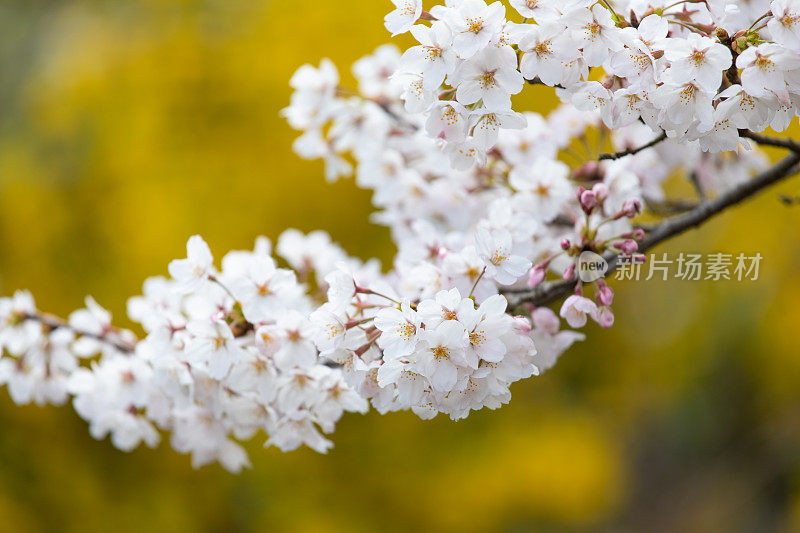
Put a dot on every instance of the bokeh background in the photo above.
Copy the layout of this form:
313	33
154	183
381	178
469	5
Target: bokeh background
126	126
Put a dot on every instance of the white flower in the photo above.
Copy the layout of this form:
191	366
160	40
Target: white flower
193	272
683	104
400	20
433	59
17	333
491	77
764	68
264	291
535	9
595	32
696	59
441	351
496	249
547	48
486	125
329	328
576	309
446	305
550	342
784	26
212	347
485	326
400	330
745	110
473	23
448	121
544	187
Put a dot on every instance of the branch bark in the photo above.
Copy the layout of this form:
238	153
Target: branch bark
549	292
53	322
631	151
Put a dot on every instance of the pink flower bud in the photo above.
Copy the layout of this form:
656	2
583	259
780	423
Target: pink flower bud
605	317
600	190
565	244
628	246
536	275
638	234
521	325
605	296
546	320
588	201
569	273
631	208
579	193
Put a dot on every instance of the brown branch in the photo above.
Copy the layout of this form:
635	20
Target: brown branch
551	291
764	140
53	322
632	151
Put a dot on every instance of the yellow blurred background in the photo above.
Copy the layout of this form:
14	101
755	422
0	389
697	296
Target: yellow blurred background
126	126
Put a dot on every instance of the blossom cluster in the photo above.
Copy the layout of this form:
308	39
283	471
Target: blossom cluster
483	202
697	70
228	353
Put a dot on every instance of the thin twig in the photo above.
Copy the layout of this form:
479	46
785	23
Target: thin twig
53	322
632	151
764	140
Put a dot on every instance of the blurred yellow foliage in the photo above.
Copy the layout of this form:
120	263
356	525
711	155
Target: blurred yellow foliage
128	126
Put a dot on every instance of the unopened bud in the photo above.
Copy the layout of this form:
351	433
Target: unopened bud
588	172
536	276
588	201
546	320
565	244
631	207
569	273
600	190
722	35
605	317
605	296
628	246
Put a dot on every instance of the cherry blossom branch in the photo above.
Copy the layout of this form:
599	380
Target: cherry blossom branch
547	293
632	151
53	322
789	144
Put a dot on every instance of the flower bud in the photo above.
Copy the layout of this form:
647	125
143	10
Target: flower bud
535	276
569	273
565	244
604	317
546	320
521	325
588	172
628	246
631	207
600	190
605	296
588	201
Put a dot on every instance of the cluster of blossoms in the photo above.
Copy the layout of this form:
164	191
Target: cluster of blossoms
484	203
227	354
698	70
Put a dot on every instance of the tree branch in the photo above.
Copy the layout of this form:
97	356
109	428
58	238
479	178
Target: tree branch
631	151
764	140
53	322
551	291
